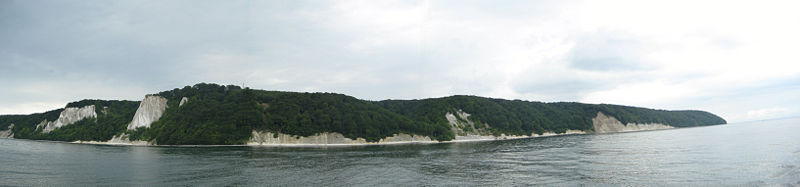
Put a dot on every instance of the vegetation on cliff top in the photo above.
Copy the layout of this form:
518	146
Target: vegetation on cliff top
112	118
216	114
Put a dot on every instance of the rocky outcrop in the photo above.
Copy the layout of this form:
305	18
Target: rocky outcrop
149	111
117	140
466	129
469	138
336	139
328	138
121	139
7	133
608	124
183	101
70	115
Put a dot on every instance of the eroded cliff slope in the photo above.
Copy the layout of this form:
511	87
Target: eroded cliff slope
149	111
608	124
70	115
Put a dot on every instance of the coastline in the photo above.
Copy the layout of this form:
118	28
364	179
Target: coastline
464	139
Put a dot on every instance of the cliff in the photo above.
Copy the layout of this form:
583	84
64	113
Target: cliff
465	131
209	114
149	111
7	133
328	139
609	124
68	116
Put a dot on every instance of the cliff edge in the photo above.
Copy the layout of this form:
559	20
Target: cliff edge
608	124
149	111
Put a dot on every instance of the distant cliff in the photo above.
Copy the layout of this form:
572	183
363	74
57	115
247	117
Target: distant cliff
210	114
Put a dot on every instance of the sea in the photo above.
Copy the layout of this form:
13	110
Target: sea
759	153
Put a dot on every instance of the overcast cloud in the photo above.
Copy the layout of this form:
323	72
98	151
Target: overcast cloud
738	59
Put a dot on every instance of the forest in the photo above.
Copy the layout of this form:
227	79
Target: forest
112	119
226	115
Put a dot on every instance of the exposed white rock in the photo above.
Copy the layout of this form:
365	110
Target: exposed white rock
470	138
183	101
336	139
70	115
460	121
149	111
458	124
7	133
117	140
608	124
406	138
328	139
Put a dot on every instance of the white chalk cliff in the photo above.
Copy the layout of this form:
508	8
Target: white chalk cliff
329	138
149	111
7	133
608	124
460	121
70	115
457	125
465	129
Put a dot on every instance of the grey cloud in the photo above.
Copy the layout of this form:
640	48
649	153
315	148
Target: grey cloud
608	51
60	51
565	89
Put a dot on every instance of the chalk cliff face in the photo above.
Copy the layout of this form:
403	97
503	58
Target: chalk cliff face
7	133
123	139
149	111
70	115
464	128
609	124
334	139
269	138
183	101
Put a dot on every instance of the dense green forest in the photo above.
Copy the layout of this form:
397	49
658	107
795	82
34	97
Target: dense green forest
518	117
227	114
216	114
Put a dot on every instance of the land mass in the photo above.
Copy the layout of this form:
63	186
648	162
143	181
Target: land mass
211	114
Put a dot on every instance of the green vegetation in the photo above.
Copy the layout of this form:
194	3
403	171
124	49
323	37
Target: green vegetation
309	113
227	115
216	114
112	118
21	122
516	117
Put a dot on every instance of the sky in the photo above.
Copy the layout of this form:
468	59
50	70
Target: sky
737	59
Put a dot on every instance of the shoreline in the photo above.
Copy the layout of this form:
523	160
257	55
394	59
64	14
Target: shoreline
250	144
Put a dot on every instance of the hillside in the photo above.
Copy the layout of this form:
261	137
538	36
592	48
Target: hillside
210	114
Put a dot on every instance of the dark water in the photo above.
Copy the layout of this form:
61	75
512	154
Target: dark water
748	154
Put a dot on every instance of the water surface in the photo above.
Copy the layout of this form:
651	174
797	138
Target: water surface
749	154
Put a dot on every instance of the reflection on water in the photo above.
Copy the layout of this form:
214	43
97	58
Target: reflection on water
759	153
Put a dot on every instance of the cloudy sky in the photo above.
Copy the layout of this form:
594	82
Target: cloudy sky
738	59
